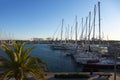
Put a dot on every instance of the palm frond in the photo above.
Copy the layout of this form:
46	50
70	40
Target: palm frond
5	65
27	51
37	60
16	47
6	75
21	51
21	63
8	51
34	75
37	72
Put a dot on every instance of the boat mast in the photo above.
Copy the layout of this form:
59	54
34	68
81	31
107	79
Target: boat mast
94	24
89	28
68	32
86	31
81	37
62	30
76	31
66	35
99	22
71	34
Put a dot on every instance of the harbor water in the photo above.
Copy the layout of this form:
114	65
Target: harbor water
56	60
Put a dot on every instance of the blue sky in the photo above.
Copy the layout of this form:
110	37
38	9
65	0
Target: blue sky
25	19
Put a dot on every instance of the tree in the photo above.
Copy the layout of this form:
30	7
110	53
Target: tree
19	64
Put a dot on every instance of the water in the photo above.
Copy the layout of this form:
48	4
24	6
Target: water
55	59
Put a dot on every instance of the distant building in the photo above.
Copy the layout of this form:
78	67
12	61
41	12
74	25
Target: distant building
48	39
37	39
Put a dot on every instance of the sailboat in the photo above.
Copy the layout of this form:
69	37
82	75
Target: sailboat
64	45
91	59
59	45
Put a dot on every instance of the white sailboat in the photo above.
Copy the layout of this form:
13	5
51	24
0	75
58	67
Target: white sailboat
63	44
94	58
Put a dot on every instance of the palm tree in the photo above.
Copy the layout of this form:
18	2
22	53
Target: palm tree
19	64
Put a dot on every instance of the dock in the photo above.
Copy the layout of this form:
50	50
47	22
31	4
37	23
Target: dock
95	76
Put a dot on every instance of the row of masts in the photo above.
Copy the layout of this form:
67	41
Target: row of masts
6	36
87	28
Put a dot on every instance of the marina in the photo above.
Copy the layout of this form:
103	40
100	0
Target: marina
77	49
59	61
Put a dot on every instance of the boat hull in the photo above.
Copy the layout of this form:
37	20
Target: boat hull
100	66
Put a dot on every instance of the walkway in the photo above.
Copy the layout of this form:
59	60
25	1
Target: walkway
95	76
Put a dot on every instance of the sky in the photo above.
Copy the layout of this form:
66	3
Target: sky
26	19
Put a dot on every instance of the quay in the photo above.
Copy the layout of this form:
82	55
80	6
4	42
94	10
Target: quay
94	76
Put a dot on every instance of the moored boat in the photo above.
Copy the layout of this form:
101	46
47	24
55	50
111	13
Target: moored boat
104	64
